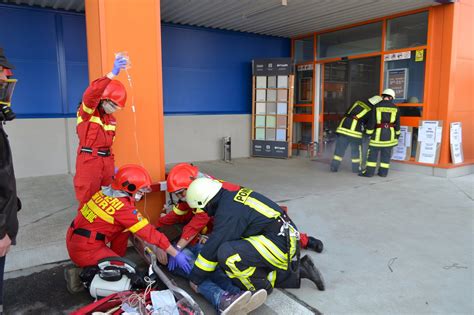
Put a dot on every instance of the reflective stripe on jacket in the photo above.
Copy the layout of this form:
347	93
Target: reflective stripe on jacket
384	125
354	118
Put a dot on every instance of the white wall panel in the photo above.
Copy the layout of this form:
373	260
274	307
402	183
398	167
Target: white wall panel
39	146
199	138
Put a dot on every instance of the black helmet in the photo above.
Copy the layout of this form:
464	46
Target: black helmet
4	62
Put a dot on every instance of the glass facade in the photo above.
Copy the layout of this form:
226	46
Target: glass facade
352	41
407	31
304	50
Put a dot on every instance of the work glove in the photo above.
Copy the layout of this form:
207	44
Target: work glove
119	64
180	260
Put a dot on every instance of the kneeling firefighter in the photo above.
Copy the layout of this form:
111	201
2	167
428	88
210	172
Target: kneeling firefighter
109	216
253	240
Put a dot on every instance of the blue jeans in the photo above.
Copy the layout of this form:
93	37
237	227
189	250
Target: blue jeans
213	287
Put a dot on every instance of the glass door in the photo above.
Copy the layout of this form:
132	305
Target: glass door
345	82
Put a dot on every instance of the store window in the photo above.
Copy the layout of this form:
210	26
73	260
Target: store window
353	41
407	31
304	84
405	74
304	49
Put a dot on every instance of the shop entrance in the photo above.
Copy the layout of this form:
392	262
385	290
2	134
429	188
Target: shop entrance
345	82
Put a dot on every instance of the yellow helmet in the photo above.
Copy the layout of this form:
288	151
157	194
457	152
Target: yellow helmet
201	191
389	92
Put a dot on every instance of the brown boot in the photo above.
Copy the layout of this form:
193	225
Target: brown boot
73	281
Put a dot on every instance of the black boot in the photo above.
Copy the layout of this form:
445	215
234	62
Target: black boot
309	271
315	244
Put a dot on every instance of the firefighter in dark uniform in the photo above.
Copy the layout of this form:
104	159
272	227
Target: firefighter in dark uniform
349	132
253	240
383	127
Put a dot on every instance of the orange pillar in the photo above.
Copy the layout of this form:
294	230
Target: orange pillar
133	26
451	80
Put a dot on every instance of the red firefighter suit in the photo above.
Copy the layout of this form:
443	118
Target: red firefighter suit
105	219
96	132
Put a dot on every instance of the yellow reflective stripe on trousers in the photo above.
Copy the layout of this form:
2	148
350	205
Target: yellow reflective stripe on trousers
204	264
378	120
272	277
138	226
238	274
385	165
179	211
262	208
371	164
337	158
96	120
347	132
269	251
100	213
355	160
88	110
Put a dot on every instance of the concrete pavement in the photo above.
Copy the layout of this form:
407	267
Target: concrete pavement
397	245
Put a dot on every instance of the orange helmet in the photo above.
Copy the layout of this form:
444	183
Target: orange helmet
115	92
131	178
181	176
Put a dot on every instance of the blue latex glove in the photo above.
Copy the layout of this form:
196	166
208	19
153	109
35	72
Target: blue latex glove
119	64
182	261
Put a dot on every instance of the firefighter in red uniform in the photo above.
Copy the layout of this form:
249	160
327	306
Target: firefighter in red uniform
109	215
197	221
96	132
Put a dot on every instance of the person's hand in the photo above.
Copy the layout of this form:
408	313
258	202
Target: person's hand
161	256
180	260
5	243
119	64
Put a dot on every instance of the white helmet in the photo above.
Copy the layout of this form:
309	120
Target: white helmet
201	191
389	92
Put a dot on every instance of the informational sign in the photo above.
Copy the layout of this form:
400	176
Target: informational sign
419	55
305	67
430	133
276	149
402	151
455	141
397	56
274	66
397	80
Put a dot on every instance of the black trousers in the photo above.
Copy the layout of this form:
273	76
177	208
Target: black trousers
342	142
250	271
372	156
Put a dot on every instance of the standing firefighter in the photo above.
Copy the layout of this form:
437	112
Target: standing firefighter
349	132
384	129
96	132
9	202
253	240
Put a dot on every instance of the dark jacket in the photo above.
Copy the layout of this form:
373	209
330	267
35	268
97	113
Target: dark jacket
9	202
354	118
235	219
383	125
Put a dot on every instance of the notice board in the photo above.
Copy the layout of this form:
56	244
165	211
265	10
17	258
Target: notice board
430	133
402	151
397	80
455	142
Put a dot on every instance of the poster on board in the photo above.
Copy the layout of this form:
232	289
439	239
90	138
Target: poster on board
430	134
455	142
402	151
397	80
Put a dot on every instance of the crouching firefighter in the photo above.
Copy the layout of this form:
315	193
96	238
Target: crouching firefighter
383	127
349	132
109	217
253	240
